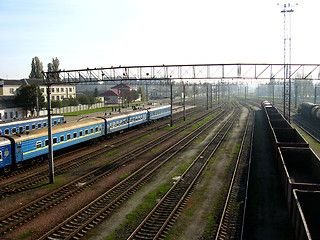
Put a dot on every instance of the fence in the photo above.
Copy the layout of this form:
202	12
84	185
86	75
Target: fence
72	108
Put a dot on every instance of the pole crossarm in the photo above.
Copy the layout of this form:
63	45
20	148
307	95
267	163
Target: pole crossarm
261	71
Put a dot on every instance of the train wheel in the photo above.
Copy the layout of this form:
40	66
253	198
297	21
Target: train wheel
7	169
33	162
19	165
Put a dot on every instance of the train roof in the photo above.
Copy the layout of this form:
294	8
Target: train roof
4	141
27	120
126	115
159	108
55	129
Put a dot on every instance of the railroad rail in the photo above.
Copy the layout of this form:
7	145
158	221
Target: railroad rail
99	209
232	217
159	220
28	181
28	211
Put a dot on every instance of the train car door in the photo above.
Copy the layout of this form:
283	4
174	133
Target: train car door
19	153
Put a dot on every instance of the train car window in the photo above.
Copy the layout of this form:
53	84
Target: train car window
19	149
33	126
100	128
14	130
75	135
86	131
68	136
80	133
114	124
97	129
61	138
54	140
46	142
27	127
38	144
0	155
39	125
91	130
55	122
44	124
6	131
121	122
0	132
21	129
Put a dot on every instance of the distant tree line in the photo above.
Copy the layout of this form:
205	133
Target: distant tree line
74	101
37	67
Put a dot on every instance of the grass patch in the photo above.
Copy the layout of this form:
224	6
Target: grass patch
27	234
110	153
77	113
92	162
58	182
123	176
140	139
103	109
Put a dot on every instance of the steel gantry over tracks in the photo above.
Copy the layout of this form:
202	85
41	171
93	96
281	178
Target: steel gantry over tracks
205	72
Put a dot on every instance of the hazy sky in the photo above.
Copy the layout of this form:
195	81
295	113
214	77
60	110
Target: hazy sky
104	33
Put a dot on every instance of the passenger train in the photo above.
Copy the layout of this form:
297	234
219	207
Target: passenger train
20	126
18	149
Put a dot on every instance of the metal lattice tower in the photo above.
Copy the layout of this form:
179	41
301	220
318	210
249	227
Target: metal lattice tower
287	9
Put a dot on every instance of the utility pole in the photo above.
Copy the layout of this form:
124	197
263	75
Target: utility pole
50	148
287	9
171	102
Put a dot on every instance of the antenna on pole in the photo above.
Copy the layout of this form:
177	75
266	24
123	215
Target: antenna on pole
287	9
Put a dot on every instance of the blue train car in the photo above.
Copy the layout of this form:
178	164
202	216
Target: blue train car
138	118
35	144
159	112
123	122
5	155
24	125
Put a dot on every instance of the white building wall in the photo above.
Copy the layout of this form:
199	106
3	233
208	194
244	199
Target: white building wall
59	92
10	90
11	113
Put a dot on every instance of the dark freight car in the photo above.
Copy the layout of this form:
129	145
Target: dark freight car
306	214
300	169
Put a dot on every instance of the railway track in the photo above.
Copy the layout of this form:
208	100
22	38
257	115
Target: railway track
307	128
160	219
233	213
156	126
42	175
28	211
102	207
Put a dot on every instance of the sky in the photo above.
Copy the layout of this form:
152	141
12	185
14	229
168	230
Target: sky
105	33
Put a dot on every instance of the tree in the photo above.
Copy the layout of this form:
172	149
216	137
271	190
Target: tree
141	91
26	97
36	68
135	94
82	99
96	92
56	104
54	67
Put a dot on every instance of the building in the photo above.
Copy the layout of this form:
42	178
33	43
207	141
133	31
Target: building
124	86
9	87
9	110
111	96
58	92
